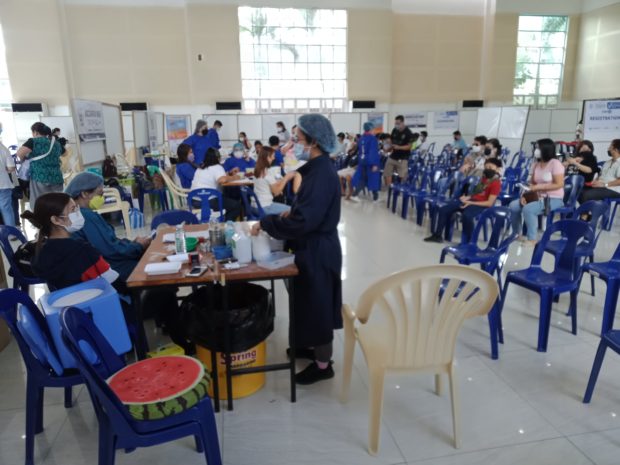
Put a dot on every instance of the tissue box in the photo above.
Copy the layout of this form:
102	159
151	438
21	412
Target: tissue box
277	260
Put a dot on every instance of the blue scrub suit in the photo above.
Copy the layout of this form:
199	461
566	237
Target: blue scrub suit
185	172
311	230
241	163
199	145
369	158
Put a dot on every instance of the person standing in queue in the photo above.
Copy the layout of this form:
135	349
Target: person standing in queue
311	229
398	162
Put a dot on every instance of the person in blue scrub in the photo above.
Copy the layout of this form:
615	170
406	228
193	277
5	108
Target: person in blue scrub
185	166
198	141
213	138
239	159
367	175
311	230
274	143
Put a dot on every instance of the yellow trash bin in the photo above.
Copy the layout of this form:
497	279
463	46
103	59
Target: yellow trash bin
242	385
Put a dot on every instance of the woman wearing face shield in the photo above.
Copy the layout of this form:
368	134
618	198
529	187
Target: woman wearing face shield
239	159
311	229
547	181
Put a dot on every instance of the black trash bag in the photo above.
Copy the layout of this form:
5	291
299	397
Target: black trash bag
250	316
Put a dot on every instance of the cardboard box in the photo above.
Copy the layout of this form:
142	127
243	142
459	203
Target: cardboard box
4	335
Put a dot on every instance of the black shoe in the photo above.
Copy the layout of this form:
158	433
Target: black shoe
302	353
312	374
434	238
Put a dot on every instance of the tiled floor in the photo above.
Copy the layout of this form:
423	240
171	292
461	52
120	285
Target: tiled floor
523	408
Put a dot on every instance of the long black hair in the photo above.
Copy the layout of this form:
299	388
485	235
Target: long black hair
46	206
212	157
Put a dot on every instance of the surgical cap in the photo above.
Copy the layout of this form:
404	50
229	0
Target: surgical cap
368	126
320	129
85	181
238	146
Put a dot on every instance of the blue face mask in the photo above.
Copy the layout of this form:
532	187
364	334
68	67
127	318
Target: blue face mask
301	153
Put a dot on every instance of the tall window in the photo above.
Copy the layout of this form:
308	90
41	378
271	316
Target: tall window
293	59
540	60
6	115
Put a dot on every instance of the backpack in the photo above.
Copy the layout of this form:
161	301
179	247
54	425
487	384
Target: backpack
108	168
23	256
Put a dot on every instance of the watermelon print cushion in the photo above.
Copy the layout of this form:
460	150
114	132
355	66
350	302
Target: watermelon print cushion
159	387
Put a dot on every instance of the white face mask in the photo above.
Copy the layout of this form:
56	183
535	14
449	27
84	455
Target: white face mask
280	130
476	148
238	154
77	222
537	154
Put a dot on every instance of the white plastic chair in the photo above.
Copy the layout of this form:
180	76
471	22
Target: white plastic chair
117	205
177	193
409	322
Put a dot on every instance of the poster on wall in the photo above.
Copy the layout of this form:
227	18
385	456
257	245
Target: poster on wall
151	118
415	120
89	117
377	122
601	121
177	129
446	120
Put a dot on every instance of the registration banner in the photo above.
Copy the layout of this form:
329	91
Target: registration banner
446	120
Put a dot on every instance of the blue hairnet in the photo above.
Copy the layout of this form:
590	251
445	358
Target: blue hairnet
320	129
238	146
368	126
85	181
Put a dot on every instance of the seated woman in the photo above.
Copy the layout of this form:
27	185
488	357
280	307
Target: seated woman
607	186
185	167
239	159
61	260
211	175
123	255
473	164
243	139
267	186
484	196
547	182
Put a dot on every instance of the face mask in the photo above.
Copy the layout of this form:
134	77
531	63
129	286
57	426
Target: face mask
96	202
191	158
280	130
537	154
487	151
387	146
488	173
476	148
204	132
238	154
77	222
301	153
241	139
609	153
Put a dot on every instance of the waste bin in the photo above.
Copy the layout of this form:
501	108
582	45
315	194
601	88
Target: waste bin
250	317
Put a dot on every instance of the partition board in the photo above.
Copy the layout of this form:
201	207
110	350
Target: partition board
64	123
114	139
512	122
487	122
140	129
346	122
564	120
467	121
128	128
229	131
269	123
539	121
252	125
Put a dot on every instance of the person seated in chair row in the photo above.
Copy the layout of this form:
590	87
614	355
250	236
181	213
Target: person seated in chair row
484	196
185	168
240	159
211	175
547	181
607	186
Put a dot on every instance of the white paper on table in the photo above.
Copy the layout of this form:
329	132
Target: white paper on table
162	268
178	257
169	237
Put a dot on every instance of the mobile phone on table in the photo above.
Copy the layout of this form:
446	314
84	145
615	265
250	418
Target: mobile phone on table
196	271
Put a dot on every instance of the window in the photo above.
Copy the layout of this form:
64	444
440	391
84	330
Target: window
541	49
293	59
6	116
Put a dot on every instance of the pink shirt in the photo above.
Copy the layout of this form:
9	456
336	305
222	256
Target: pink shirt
544	175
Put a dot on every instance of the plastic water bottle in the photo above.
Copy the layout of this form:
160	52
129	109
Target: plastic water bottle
229	232
179	239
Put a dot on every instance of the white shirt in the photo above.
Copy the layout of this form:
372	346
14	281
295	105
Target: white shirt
6	162
262	189
610	171
207	178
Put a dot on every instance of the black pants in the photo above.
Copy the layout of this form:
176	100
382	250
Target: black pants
232	207
597	193
467	217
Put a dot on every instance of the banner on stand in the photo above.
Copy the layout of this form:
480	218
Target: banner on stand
89	116
446	120
178	129
416	120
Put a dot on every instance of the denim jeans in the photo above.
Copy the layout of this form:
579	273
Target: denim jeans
276	208
6	207
529	213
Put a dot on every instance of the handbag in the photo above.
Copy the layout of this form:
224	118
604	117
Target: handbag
530	196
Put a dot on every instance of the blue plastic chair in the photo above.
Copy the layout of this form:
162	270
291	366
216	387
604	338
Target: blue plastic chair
251	213
160	193
490	258
610	273
432	201
418	197
572	188
203	196
19	280
174	217
565	276
117	429
615	202
39	374
610	339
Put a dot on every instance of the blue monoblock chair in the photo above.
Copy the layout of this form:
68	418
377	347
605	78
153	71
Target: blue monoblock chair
491	259
117	429
610	339
39	371
565	277
573	186
203	196
19	280
251	212
610	273
612	215
174	217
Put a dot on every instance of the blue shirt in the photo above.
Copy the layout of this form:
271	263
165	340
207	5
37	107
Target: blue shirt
213	139
122	254
241	163
199	145
185	172
279	159
459	144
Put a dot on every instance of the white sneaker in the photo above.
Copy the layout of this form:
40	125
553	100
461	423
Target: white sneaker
355	199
